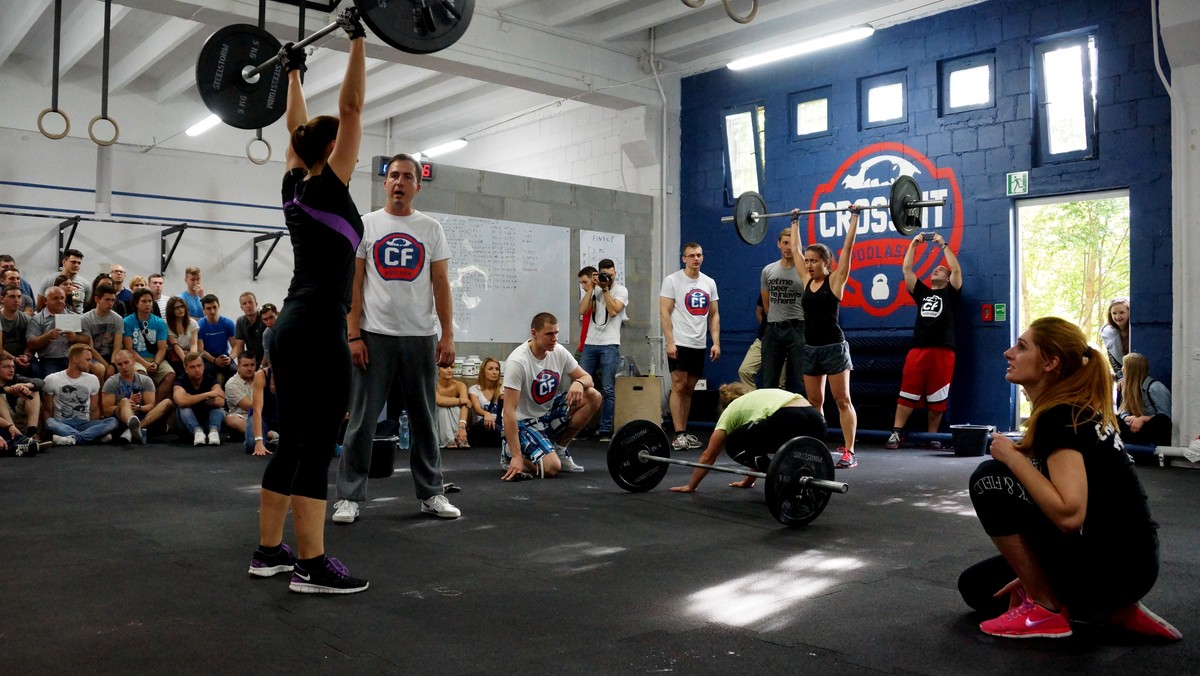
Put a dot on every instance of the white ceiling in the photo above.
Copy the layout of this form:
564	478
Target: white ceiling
518	56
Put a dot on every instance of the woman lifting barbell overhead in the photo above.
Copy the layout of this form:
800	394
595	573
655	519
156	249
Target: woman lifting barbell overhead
1063	506
826	352
752	426
325	229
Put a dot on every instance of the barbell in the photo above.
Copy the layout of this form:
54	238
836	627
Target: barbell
799	479
240	75
904	203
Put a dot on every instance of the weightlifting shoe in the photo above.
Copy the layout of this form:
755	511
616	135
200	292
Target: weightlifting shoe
1028	620
847	461
893	442
439	506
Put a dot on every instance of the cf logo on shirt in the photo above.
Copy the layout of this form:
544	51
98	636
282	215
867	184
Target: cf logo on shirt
545	386
696	302
931	307
399	256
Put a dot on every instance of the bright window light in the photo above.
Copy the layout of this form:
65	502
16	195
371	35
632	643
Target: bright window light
203	125
1064	97
444	148
885	102
812	117
970	87
805	47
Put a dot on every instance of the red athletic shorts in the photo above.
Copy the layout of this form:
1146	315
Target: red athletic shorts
927	374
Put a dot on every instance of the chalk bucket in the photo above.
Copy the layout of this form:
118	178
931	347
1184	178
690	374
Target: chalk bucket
971	439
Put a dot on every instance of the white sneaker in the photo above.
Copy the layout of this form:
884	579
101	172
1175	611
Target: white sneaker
106	438
198	438
568	464
438	505
62	441
692	441
345	511
127	437
214	437
680	442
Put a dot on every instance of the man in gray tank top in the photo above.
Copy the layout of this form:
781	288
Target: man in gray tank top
783	339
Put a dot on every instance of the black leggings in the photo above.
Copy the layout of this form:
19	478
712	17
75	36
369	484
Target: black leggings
1100	573
753	445
311	363
1156	431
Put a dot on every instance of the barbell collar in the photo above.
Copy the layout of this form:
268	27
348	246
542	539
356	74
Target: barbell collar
874	207
270	63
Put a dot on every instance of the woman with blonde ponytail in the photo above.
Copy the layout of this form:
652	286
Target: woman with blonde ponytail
1063	506
1145	411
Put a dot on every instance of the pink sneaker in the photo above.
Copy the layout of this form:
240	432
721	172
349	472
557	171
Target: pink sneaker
1028	620
1140	620
847	461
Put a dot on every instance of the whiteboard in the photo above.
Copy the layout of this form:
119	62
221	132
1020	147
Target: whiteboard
502	273
595	246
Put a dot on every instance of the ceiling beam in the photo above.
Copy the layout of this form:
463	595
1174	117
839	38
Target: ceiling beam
18	21
162	41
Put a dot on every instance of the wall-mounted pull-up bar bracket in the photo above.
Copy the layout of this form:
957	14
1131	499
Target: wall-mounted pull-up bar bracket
165	253
66	235
260	260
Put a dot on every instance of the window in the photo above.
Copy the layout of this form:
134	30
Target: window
810	113
967	83
745	136
883	99
1066	97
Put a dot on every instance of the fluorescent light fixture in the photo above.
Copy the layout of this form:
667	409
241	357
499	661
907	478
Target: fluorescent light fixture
203	125
816	44
444	148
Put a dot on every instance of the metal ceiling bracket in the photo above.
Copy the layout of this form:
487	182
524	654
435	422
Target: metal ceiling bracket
261	260
164	253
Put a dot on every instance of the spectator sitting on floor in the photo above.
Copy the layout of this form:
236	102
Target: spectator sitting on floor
155	283
199	397
248	329
104	278
183	333
14	328
486	397
72	260
21	395
239	396
7	262
12	277
146	338
265	415
103	328
47	342
1145	412
129	396
73	399
193	292
216	339
452	406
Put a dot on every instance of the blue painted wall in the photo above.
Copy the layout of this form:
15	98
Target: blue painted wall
977	148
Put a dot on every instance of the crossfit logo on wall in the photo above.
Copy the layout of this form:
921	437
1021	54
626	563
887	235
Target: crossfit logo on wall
696	302
399	256
544	387
876	280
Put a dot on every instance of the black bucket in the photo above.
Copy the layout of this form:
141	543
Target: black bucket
383	457
971	440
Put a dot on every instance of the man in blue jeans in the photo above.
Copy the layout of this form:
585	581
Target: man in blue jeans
603	300
74	402
200	402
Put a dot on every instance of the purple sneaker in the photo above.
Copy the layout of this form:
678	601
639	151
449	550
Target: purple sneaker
263	564
331	578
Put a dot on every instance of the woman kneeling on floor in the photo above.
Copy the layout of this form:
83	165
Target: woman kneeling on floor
752	426
1064	505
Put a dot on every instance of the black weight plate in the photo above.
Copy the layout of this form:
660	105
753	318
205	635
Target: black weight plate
751	230
791	504
905	191
630	472
409	27
226	93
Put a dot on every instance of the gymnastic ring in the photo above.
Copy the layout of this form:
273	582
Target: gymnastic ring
66	121
742	19
116	130
694	4
254	159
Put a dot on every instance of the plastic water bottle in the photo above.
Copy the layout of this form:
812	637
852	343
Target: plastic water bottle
405	438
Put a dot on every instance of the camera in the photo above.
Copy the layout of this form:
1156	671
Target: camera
605	278
928	236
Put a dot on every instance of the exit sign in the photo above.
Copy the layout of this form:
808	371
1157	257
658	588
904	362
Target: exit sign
1018	183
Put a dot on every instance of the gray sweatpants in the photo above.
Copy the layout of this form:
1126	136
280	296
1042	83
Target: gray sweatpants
401	372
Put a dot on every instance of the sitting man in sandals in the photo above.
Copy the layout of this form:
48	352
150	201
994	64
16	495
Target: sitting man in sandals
539	420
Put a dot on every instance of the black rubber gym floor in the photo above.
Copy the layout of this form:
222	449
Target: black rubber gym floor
133	560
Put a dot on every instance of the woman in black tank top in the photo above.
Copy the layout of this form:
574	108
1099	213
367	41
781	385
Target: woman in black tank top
826	353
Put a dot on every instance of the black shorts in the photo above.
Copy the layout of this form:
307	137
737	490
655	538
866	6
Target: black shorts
753	445
690	360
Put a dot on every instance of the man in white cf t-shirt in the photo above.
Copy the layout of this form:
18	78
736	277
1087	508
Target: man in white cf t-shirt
400	278
687	308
